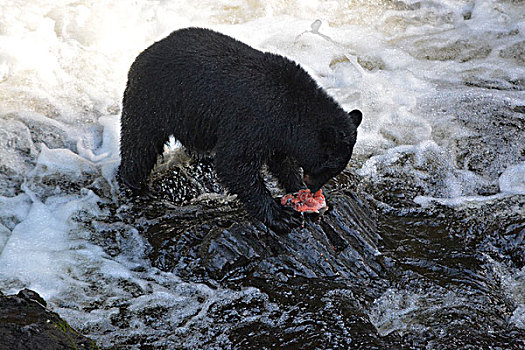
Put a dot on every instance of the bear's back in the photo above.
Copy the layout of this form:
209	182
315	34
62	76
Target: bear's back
198	51
200	80
206	43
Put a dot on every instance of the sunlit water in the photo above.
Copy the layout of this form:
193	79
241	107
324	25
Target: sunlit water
441	153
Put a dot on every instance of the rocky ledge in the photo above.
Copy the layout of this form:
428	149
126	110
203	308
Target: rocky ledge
26	323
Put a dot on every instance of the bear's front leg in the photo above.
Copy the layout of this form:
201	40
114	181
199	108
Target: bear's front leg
287	172
240	173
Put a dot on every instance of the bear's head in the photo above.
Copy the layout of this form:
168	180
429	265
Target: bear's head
336	143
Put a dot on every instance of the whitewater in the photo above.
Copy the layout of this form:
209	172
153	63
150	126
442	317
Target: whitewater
440	84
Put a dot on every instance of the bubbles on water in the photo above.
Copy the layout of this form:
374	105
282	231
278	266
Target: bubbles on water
512	180
518	317
14	210
17	151
418	172
396	311
63	162
512	280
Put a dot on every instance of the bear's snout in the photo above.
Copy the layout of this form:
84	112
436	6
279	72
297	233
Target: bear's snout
312	183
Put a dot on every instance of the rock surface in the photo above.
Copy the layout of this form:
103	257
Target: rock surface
322	286
26	323
314	283
319	278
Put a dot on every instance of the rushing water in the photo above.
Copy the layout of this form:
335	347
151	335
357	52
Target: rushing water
440	158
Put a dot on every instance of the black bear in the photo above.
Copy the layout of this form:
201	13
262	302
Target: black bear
248	108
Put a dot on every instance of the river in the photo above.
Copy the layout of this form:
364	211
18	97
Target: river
439	161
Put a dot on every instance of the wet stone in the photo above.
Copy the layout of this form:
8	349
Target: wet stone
26	323
319	277
364	275
219	237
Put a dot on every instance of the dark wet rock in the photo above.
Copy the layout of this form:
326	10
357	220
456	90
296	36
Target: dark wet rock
26	323
213	236
307	289
317	280
223	239
325	285
444	265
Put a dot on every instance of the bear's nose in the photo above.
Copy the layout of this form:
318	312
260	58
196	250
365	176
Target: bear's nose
306	178
312	185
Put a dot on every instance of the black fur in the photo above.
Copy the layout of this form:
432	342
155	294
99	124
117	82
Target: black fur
216	94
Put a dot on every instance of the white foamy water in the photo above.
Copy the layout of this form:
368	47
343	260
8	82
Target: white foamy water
426	74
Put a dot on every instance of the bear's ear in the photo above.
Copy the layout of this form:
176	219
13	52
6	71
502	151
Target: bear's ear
356	116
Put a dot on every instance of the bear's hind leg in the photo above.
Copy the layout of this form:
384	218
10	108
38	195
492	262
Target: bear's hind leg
138	156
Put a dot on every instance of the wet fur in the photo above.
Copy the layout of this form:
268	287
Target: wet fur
216	94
